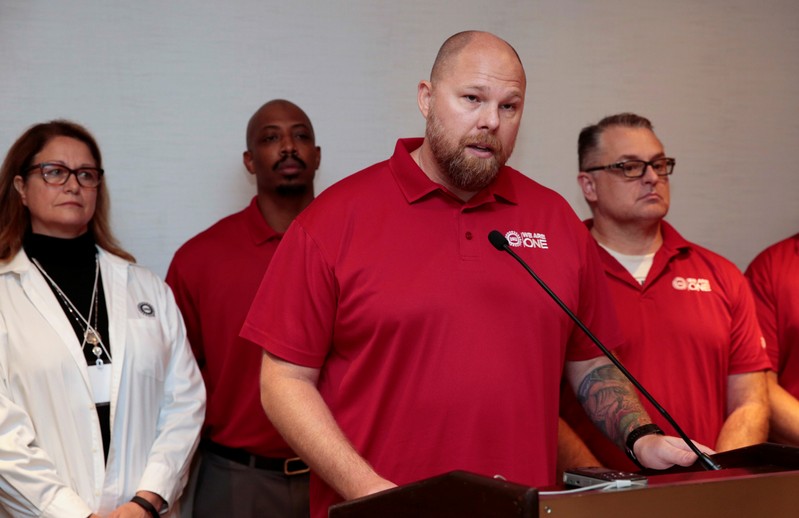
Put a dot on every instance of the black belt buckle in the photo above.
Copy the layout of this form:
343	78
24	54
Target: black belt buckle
295	466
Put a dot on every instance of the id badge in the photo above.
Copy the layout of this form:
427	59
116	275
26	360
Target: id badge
100	379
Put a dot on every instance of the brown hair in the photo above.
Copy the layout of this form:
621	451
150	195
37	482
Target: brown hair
15	219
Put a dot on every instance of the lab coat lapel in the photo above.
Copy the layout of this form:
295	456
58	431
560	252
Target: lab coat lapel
115	279
38	290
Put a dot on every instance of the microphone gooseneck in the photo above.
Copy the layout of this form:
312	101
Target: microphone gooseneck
501	243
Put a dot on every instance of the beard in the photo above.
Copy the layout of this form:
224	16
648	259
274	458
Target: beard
294	190
293	186
465	172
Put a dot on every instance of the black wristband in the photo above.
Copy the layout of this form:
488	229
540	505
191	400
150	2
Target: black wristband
147	506
633	436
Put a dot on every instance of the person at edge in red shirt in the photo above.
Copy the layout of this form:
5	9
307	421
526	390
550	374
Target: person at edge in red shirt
687	314
401	345
774	278
244	467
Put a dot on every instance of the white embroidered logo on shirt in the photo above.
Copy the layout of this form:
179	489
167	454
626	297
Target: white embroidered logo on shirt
526	239
690	284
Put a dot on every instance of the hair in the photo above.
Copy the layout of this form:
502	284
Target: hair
453	46
588	141
15	218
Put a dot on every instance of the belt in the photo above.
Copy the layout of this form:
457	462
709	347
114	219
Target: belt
290	466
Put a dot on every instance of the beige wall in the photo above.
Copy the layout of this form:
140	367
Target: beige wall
168	86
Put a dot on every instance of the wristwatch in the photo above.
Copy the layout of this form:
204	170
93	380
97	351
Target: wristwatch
641	431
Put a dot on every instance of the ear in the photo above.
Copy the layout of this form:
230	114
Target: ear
318	160
423	96
247	160
19	185
587	184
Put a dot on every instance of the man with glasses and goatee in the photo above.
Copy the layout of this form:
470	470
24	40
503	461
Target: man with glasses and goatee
687	314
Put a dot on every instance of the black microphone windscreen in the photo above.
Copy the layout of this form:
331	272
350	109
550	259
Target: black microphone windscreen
497	239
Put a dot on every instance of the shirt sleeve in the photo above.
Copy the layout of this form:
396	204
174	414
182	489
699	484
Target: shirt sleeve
181	412
761	284
294	311
748	352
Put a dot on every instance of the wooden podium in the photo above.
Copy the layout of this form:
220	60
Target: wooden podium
757	481
457	493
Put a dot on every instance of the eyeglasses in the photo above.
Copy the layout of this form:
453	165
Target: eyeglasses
637	168
58	174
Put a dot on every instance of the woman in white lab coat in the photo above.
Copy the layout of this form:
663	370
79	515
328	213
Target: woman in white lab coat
101	401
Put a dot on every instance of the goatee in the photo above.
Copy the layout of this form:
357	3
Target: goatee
295	190
464	171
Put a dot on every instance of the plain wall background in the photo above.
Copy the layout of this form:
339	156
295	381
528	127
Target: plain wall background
167	87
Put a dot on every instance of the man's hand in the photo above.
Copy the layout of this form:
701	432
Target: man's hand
134	510
379	484
129	510
292	402
661	451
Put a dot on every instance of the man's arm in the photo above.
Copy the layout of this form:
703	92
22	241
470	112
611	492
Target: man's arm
293	404
572	451
747	411
610	401
784	419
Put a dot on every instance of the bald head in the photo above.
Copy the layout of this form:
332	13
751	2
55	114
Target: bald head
457	43
265	113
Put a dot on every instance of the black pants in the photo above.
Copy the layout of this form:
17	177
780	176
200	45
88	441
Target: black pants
232	490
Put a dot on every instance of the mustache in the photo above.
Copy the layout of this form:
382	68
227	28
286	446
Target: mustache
292	157
489	141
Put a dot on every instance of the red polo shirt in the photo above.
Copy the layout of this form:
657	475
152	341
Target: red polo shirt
774	277
687	328
437	352
214	277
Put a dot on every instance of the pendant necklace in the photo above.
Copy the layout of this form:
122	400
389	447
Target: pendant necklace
90	334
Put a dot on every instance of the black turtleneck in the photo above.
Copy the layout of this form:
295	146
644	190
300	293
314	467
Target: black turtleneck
71	263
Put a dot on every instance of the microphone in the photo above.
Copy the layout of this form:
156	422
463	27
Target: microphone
500	243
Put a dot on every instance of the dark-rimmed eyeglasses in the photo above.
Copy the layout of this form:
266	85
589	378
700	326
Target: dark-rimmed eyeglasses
58	174
636	168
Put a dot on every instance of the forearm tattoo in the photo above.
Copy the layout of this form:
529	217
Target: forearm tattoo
610	401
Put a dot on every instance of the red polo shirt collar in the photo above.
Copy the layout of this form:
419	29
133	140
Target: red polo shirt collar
259	230
673	245
415	185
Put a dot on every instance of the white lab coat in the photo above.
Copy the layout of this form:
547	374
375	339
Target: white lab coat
51	451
